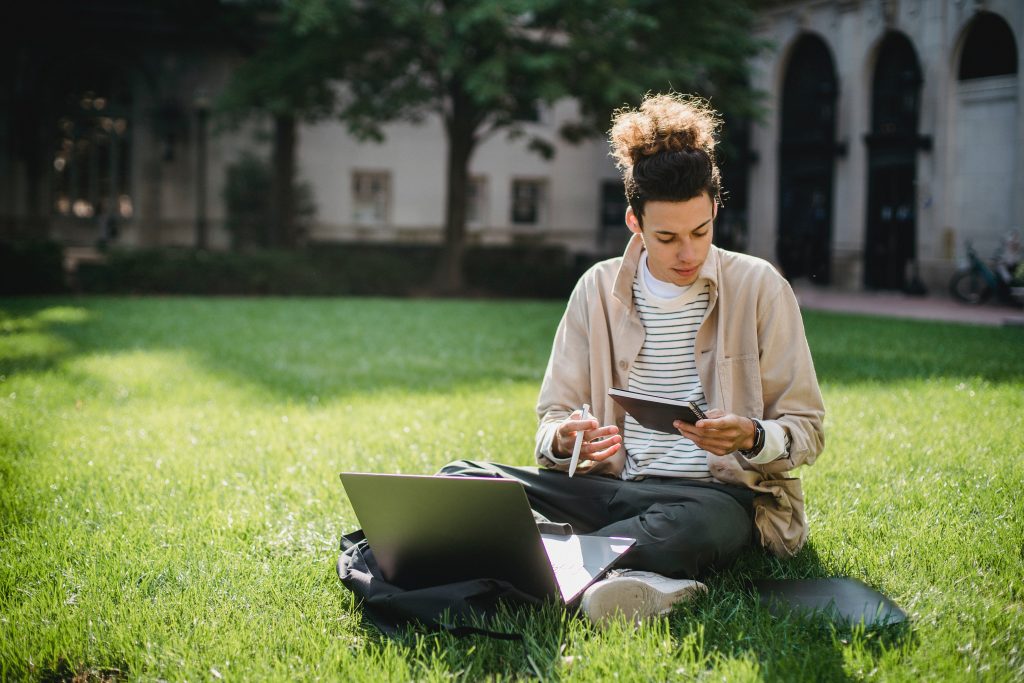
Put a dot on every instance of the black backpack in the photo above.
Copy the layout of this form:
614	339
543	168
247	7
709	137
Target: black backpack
457	608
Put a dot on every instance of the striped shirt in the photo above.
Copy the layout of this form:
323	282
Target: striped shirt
666	367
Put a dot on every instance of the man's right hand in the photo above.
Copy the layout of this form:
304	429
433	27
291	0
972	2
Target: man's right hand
599	443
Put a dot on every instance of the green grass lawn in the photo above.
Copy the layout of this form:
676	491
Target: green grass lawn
170	506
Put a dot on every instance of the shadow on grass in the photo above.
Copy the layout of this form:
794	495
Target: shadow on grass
331	348
292	348
725	628
794	646
63	670
543	631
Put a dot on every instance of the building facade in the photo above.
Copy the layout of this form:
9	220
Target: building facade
893	133
105	126
395	191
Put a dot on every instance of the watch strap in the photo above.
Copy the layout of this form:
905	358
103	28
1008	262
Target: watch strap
758	440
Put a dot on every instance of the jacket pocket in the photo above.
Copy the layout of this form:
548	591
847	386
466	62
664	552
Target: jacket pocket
779	516
740	385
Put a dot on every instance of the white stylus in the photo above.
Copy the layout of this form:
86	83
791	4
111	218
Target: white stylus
579	442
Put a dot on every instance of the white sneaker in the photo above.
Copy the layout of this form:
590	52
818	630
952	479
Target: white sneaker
636	595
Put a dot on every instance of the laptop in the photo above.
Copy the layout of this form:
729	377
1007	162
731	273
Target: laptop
428	531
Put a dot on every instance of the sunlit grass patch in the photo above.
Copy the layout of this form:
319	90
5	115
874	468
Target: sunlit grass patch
170	504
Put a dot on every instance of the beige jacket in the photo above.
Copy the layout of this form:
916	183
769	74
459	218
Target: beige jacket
752	358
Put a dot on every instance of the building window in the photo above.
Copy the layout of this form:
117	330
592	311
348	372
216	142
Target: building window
989	50
612	231
91	161
613	205
528	197
528	112
476	200
371	197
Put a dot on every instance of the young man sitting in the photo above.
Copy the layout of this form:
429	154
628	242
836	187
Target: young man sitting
677	317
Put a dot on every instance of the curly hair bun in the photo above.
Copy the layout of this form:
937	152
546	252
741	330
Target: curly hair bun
664	123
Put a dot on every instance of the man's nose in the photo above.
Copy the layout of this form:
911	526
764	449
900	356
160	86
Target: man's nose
685	251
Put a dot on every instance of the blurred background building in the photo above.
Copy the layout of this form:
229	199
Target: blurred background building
892	132
104	125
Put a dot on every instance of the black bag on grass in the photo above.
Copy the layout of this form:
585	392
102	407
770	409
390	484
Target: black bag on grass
452	607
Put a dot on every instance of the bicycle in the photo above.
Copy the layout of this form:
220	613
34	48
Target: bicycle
978	281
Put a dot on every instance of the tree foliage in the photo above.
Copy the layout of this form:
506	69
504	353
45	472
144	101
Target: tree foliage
483	65
405	59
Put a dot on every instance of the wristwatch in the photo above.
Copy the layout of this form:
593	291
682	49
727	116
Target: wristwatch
758	440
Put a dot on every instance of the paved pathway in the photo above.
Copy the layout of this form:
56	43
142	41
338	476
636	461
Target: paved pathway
897	305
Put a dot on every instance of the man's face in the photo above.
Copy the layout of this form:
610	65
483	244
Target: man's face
677	236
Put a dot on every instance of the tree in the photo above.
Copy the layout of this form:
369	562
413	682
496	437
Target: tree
291	80
481	65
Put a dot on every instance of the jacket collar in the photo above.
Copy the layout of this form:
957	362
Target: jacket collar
623	287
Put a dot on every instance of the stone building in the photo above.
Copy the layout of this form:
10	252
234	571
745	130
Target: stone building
395	191
893	133
104	125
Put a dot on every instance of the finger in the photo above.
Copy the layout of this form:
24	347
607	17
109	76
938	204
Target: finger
600	444
717	423
709	445
710	441
686	429
566	433
715	412
570	426
605	454
600	432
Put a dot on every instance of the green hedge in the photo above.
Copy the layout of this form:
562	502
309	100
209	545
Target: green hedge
330	269
32	267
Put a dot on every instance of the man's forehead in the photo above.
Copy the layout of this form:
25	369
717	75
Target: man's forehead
672	229
691	211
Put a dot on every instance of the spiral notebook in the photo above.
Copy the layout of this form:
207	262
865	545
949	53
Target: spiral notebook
657	413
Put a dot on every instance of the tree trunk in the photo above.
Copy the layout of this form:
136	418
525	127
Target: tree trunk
281	231
448	276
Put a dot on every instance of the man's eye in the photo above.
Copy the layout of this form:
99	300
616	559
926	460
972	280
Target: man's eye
700	234
664	241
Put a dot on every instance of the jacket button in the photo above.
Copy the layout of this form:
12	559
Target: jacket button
623	364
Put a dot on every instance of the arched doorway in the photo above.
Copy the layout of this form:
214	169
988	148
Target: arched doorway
890	251
807	150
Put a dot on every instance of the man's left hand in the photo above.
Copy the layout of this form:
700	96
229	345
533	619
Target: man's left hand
719	433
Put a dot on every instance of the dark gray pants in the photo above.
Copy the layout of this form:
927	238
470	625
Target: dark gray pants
683	528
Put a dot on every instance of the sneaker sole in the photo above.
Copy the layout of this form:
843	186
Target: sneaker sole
634	598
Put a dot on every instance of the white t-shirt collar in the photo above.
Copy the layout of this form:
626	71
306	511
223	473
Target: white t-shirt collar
666	291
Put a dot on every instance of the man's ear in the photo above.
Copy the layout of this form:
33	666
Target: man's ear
632	222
